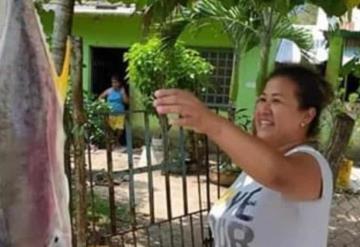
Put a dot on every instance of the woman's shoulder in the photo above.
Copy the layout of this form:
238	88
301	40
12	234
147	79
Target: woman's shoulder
311	150
308	148
107	91
314	151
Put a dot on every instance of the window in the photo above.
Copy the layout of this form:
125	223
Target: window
222	60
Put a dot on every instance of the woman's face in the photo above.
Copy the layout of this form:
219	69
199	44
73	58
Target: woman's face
278	119
115	83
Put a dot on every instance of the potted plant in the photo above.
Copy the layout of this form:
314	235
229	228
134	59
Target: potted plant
226	172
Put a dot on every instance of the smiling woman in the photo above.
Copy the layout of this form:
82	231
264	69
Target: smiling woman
285	183
300	95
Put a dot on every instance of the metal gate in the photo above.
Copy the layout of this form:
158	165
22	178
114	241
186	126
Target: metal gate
135	201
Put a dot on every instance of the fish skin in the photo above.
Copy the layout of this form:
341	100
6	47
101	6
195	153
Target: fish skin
34	193
3	8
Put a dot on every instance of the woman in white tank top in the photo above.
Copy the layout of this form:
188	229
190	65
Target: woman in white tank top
283	196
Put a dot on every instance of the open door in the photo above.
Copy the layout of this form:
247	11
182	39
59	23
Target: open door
104	63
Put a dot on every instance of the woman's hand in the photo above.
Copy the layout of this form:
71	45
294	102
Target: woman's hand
192	112
296	176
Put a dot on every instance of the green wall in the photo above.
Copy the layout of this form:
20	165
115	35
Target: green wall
123	31
249	65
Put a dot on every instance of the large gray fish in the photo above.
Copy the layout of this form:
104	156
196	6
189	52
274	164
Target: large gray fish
33	186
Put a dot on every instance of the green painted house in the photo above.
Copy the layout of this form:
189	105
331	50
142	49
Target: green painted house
108	32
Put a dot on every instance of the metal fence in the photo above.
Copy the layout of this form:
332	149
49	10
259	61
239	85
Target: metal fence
134	200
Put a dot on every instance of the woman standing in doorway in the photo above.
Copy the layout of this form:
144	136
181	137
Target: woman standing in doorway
286	183
116	97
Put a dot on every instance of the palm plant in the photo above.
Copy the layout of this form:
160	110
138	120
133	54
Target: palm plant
155	12
247	24
276	24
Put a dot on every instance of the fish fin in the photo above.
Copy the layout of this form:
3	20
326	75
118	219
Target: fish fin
62	80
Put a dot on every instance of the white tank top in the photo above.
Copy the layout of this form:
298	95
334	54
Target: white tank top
251	215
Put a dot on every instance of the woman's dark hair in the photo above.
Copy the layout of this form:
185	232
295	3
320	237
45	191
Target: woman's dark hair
116	77
313	90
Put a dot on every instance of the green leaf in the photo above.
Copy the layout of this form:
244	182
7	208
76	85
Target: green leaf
349	67
151	68
353	97
300	36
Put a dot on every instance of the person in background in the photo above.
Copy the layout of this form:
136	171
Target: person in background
286	183
116	98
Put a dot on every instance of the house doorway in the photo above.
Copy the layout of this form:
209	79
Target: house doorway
351	85
104	63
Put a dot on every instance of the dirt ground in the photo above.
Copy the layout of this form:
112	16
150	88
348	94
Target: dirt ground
196	200
344	226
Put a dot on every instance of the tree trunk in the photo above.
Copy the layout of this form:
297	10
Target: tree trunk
235	76
340	137
335	58
265	45
79	120
343	124
264	63
62	29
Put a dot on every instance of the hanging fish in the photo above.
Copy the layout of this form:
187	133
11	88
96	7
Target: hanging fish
34	192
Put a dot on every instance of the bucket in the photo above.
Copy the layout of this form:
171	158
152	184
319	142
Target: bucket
343	179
